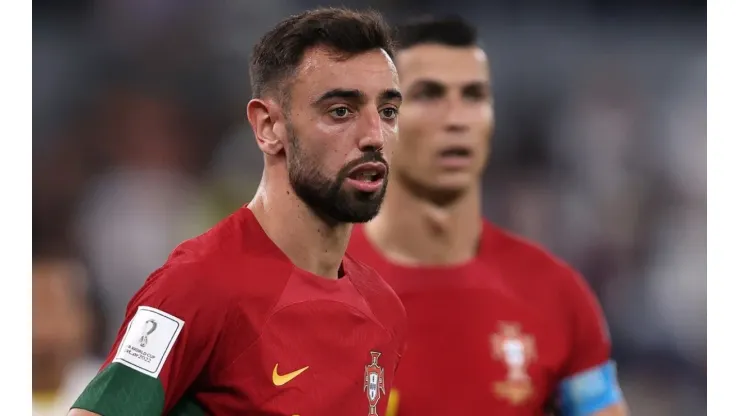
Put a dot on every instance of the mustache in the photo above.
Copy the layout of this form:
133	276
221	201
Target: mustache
367	157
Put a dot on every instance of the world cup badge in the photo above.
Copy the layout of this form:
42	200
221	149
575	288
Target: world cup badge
149	327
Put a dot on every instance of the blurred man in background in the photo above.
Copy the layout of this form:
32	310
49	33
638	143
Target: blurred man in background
235	316
62	324
496	324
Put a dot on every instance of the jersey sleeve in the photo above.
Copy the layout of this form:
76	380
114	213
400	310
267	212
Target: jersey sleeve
169	334
588	381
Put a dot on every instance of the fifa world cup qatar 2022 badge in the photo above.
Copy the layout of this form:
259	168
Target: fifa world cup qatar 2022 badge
517	351
149	327
374	383
148	340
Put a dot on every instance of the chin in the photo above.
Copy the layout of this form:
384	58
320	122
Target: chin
445	191
457	182
442	187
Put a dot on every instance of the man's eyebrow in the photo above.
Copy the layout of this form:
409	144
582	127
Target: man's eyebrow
347	94
477	84
424	82
391	94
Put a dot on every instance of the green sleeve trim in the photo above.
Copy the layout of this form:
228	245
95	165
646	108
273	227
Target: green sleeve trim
121	391
187	407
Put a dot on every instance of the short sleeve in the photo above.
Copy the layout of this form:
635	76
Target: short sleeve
171	328
590	343
588	381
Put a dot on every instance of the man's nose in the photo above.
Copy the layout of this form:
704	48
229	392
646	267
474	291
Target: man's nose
457	119
372	138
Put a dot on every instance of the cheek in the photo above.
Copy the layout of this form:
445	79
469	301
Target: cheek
482	155
332	139
390	148
412	156
331	156
483	127
487	121
413	150
483	146
413	126
315	144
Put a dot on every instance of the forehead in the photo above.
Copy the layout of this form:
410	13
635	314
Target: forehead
370	72
445	64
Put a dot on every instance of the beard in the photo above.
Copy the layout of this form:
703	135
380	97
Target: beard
326	196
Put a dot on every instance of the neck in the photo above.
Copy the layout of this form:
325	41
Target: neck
413	231
309	242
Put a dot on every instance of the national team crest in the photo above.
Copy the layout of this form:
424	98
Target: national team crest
517	351
374	382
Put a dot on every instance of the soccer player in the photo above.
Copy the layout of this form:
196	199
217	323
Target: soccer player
497	326
263	314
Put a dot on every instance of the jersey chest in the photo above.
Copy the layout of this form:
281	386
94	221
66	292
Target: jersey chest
477	348
314	358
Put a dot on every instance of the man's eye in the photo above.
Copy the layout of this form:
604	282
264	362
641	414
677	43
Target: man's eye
389	113
340	112
475	95
429	94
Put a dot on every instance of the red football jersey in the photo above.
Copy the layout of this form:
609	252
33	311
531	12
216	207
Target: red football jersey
229	326
494	336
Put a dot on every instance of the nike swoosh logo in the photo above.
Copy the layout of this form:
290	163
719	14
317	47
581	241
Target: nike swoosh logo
279	380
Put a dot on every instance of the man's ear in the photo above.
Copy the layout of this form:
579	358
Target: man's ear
268	125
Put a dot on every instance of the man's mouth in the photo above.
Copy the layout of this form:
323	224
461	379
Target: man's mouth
455	157
368	177
368	172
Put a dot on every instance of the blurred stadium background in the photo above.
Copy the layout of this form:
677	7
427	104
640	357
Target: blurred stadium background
600	155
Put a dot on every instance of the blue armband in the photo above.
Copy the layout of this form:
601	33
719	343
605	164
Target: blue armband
589	391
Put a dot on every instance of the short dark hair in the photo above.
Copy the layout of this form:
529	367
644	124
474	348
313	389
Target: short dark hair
347	32
448	30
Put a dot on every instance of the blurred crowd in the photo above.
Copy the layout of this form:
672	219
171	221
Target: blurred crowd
599	154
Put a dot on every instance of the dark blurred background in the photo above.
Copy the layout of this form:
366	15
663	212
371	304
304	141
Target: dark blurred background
600	155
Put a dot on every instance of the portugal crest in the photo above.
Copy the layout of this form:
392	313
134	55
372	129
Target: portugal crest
374	383
517	351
